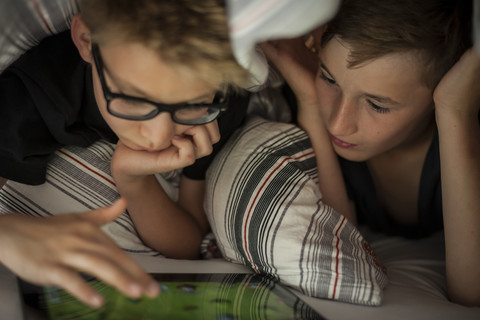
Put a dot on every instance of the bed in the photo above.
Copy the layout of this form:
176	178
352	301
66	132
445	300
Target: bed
405	278
416	289
413	287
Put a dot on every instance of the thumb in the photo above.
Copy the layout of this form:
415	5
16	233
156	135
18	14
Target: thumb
104	215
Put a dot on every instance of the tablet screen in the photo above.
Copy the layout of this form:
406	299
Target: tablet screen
183	296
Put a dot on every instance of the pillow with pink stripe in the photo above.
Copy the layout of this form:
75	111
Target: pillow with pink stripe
77	180
266	212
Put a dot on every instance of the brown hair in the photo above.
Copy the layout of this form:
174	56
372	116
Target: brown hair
189	33
436	31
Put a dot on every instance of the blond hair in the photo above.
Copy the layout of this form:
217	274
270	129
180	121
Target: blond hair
192	34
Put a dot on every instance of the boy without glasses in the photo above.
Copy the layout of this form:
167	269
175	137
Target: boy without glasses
397	95
152	76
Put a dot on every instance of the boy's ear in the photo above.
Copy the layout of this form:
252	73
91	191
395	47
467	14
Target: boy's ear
81	37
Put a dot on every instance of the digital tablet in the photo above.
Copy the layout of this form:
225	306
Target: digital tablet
183	296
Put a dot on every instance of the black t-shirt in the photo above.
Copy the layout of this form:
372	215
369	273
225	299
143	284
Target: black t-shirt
47	102
361	190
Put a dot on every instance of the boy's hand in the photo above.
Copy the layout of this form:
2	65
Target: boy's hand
457	104
458	92
298	65
196	142
51	251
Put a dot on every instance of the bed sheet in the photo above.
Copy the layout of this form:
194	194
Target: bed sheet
416	289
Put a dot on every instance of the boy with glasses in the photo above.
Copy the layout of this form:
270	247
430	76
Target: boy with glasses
152	76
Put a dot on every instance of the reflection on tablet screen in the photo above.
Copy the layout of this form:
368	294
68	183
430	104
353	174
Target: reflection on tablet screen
183	296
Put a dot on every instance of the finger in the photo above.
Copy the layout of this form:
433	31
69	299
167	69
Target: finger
97	254
270	51
146	163
142	163
107	214
149	286
94	252
186	150
278	52
202	140
213	131
317	35
74	284
208	134
296	67
114	269
136	274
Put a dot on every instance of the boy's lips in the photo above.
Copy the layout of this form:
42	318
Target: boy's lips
341	143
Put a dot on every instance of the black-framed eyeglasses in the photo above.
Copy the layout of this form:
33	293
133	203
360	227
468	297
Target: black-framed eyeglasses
135	108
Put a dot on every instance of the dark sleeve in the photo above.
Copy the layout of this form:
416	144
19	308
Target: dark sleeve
430	212
26	142
229	121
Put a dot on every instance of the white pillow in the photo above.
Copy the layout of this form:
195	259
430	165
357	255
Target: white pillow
78	180
266	211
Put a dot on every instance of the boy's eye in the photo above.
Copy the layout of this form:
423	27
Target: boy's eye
131	102
377	108
327	79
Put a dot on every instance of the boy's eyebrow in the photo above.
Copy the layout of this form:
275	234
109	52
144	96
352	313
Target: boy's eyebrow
381	99
141	94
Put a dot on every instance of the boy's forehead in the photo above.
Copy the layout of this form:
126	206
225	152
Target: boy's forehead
341	53
403	60
394	76
140	71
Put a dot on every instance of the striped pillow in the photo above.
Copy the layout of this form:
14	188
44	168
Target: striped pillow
78	180
266	211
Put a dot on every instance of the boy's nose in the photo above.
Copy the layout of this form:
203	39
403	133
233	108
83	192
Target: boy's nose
343	118
158	132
